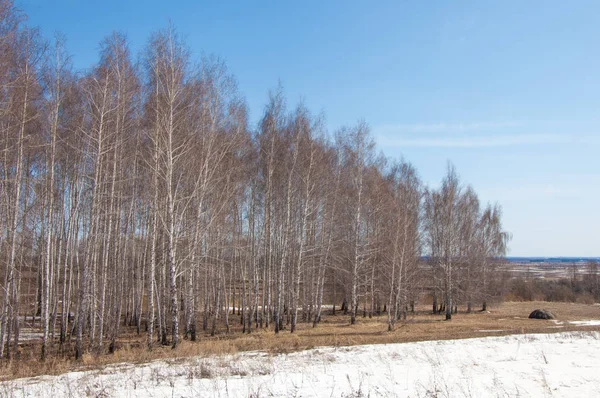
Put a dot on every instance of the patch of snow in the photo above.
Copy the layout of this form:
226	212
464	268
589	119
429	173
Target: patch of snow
491	330
528	365
30	335
591	322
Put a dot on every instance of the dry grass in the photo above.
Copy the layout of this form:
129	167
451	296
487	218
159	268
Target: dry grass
506	318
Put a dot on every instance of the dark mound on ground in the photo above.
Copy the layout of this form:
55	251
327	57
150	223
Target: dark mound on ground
541	314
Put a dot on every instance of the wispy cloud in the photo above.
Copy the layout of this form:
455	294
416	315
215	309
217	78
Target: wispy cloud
470	141
531	191
476	135
444	127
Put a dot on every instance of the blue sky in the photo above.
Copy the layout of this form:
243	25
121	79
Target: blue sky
509	91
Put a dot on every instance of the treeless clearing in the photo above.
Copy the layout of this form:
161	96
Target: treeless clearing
503	319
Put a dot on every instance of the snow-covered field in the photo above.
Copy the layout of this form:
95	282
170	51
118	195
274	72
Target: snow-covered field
529	365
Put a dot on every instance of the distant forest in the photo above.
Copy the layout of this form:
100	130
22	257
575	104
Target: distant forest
137	195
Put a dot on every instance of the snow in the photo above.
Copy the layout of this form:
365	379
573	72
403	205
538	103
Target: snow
527	365
592	322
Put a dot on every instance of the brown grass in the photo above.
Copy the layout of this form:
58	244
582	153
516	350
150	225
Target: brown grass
503	319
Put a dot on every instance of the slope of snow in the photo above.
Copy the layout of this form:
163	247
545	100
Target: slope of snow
529	365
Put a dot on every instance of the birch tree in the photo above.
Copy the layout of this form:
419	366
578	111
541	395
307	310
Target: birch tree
442	225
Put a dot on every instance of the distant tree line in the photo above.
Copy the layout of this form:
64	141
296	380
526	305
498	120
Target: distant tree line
137	195
582	286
